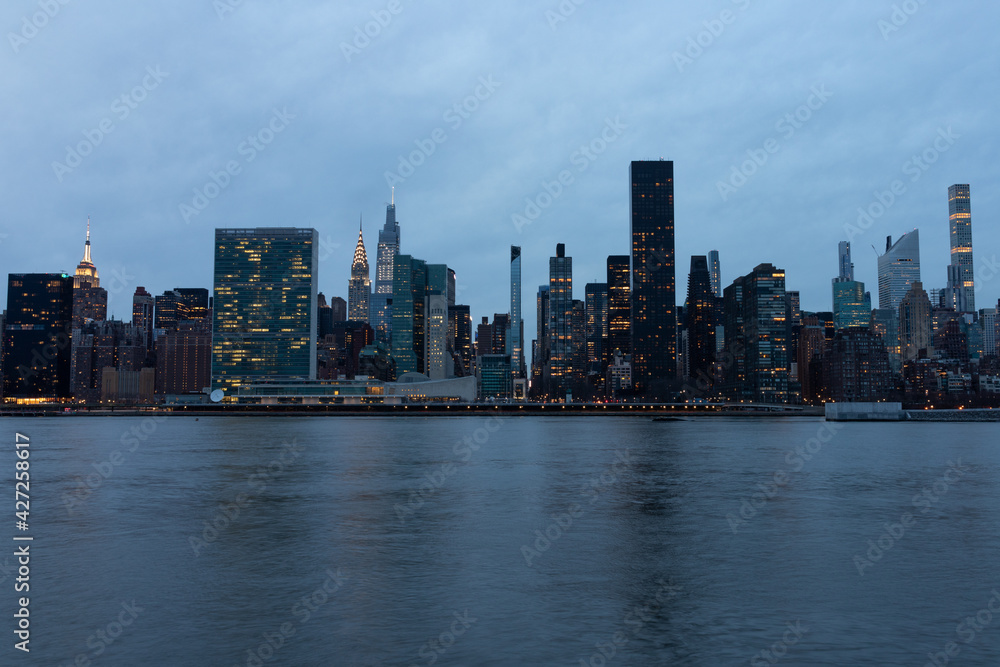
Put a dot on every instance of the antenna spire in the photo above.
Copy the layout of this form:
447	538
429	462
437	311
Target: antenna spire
86	246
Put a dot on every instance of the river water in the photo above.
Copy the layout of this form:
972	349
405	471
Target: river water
505	541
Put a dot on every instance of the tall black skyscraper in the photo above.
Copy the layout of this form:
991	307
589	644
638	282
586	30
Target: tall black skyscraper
700	318
560	331
654	324
36	346
597	326
619	307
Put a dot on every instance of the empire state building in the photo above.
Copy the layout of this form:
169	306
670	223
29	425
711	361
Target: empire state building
90	301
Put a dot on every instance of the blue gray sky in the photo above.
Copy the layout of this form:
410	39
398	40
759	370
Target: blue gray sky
123	111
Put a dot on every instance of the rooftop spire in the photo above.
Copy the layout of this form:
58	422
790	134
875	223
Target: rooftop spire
86	246
360	256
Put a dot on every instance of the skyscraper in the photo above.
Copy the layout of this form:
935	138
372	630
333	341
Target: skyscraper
852	306
359	287
757	330
265	311
961	278
90	300
700	316
596	299
915	323
36	346
898	268
715	270
420	318
619	307
181	304
654	334
142	315
540	346
560	329
409	302
460	335
845	264
439	364
515	340
381	300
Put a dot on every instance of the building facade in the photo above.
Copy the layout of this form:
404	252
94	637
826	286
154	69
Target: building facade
898	268
381	300
37	336
915	323
516	337
265	315
654	324
961	290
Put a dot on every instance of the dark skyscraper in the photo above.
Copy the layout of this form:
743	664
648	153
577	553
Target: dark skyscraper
338	308
596	299
560	330
540	346
460	336
715	269
36	348
142	315
516	337
181	304
700	318
619	307
757	329
654	325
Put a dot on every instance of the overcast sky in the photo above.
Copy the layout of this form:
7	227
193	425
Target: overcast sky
152	99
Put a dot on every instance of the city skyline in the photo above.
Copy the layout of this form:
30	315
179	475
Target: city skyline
457	206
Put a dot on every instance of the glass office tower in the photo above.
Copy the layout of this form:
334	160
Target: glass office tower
654	325
36	345
265	307
961	278
516	338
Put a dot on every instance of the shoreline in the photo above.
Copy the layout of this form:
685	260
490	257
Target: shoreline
618	410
